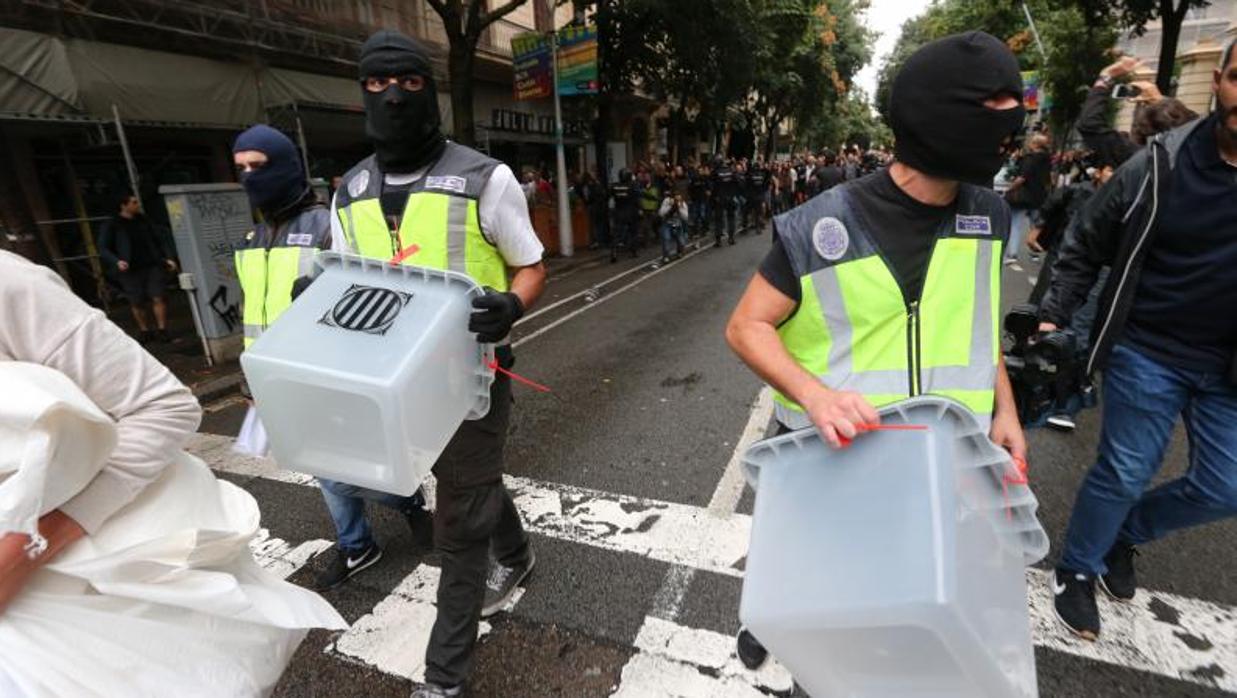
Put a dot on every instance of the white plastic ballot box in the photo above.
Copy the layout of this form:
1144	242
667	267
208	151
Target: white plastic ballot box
366	377
895	567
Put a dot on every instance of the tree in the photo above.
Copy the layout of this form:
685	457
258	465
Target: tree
811	51
1171	13
464	21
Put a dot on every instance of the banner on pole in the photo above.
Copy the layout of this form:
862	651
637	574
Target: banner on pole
1030	90
530	57
577	61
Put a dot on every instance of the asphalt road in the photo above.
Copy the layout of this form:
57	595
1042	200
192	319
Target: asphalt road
621	473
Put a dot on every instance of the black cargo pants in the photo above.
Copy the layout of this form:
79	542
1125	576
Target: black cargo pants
474	514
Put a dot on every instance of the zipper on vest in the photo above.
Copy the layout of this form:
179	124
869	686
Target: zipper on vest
912	347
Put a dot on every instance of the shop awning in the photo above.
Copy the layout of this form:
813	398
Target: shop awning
42	76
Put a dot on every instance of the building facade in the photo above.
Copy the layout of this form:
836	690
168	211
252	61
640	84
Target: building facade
92	91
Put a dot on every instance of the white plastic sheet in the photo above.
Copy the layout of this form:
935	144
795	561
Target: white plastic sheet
252	439
164	599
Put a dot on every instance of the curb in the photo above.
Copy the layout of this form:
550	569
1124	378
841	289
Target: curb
215	388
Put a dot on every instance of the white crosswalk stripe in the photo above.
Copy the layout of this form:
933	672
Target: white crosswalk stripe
1165	634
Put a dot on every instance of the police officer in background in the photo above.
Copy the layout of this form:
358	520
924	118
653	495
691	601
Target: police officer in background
272	270
444	206
725	188
295	225
626	202
847	281
757	184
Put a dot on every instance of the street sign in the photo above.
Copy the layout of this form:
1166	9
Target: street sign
534	76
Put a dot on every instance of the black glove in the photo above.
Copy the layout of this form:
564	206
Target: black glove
494	314
299	286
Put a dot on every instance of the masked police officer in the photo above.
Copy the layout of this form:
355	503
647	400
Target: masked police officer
446	206
887	287
626	215
725	189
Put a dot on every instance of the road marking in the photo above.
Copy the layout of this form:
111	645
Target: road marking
393	636
1160	633
608	296
585	292
682	662
669	597
679	534
1166	634
280	557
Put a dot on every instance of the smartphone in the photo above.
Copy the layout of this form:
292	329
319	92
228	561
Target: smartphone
1126	91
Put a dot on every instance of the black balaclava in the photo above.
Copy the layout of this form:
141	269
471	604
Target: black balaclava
937	113
405	127
280	183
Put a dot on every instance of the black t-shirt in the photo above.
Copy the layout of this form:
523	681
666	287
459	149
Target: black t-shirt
1183	306
1036	169
903	229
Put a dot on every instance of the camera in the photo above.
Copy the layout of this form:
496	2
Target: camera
1045	368
1126	91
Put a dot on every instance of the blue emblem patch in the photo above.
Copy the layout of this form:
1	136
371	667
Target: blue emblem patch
974	225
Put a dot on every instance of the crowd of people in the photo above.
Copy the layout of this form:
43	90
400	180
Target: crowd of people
718	195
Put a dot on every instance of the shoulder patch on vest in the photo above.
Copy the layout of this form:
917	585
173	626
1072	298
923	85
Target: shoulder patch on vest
358	184
303	239
830	238
973	225
450	183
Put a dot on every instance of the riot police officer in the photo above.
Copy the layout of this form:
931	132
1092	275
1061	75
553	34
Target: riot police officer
626	203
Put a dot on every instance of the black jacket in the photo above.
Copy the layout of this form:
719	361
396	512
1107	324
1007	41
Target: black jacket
116	242
1112	146
1060	210
1115	228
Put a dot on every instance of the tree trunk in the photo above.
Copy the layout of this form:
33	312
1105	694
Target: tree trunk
1170	32
771	140
459	69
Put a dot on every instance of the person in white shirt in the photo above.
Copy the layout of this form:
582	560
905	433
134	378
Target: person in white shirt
674	216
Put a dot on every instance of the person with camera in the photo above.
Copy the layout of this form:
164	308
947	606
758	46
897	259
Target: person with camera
1166	339
844	316
674	218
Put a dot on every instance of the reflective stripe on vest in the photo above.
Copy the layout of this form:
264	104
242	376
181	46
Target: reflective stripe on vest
855	332
266	278
446	230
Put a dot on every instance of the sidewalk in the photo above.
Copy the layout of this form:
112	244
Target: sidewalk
187	361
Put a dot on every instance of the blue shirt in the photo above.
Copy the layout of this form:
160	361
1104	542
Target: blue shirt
1183	313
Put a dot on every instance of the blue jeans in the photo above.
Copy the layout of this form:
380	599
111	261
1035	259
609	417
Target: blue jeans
1141	401
347	506
698	213
1019	224
672	232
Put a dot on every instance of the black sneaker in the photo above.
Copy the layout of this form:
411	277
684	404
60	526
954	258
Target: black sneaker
345	565
421	522
1074	600
730	240
1120	582
163	336
503	582
750	651
146	337
433	690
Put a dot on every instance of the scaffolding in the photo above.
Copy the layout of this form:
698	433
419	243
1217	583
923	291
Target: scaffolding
290	33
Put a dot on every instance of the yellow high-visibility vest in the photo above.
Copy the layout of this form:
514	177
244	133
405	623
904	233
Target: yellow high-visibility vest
855	330
266	269
440	217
